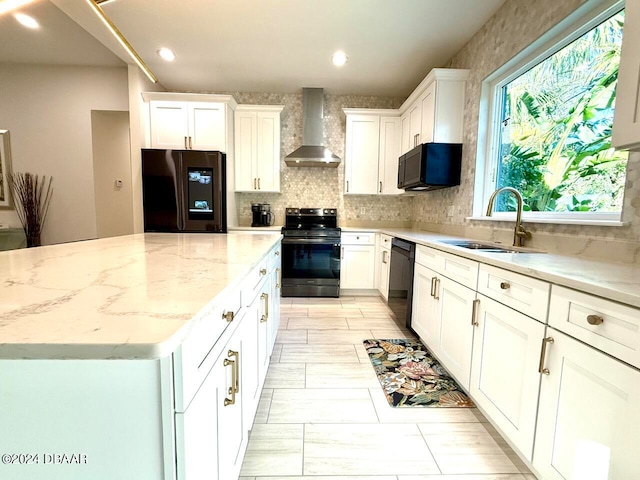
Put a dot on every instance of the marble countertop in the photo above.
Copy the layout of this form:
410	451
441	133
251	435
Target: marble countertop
122	297
613	281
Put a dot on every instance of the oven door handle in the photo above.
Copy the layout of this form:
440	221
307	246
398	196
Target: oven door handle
311	241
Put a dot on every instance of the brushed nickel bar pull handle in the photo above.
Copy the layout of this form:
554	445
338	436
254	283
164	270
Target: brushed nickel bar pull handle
384	256
474	312
433	287
236	383
258	183
342	254
265	317
228	316
380	188
190	143
347	186
435	293
279	281
595	319
186	146
505	285
232	389
543	355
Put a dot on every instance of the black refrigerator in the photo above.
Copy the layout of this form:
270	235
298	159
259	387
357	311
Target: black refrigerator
184	191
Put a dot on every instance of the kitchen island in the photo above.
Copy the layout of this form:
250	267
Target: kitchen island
113	354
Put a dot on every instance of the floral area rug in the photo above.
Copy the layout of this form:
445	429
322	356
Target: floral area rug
411	377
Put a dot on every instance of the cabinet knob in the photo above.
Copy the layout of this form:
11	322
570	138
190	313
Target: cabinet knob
277	253
263	271
595	319
505	285
228	316
357	238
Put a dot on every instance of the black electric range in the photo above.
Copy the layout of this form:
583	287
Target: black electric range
311	253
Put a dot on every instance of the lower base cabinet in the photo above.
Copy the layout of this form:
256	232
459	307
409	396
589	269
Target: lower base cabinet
442	313
505	380
456	329
588	416
425	318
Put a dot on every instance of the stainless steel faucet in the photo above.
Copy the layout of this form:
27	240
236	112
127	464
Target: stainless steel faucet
519	233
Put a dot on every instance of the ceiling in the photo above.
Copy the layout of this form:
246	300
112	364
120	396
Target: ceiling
258	45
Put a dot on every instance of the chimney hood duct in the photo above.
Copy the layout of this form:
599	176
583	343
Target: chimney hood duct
312	153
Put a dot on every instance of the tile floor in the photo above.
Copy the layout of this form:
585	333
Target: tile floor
323	414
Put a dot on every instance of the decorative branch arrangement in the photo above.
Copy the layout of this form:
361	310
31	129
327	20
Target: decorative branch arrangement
32	197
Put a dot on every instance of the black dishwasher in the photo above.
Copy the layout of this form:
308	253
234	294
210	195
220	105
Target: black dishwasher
401	280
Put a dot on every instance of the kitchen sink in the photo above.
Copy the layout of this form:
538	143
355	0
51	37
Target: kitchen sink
488	247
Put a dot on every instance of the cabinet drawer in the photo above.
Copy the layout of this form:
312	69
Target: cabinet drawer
196	355
460	269
429	257
275	256
358	238
603	324
525	294
385	240
254	280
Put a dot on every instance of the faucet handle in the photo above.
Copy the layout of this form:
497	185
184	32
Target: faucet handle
521	234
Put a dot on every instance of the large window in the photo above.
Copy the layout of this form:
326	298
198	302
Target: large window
551	129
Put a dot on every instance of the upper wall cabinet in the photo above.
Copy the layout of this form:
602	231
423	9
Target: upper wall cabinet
257	153
626	123
190	121
434	112
371	151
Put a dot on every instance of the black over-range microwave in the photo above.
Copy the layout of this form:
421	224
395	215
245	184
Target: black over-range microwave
430	166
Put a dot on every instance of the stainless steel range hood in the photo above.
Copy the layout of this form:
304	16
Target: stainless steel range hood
312	153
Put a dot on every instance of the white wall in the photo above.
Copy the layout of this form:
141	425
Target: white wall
47	109
139	124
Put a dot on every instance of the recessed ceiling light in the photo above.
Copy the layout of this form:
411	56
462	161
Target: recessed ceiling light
339	58
8	5
26	20
166	54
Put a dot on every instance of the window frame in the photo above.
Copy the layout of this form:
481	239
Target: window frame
586	17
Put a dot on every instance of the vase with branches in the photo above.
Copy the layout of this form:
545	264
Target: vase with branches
32	196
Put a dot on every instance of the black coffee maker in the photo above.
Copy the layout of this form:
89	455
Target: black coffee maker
262	216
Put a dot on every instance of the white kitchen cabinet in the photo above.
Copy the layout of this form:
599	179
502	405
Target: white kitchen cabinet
427	113
188	125
588	418
274	304
371	152
425	317
257	148
505	380
415	124
626	121
201	452
434	112
190	121
357	260
444	293
456	330
384	262
361	154
406	142
232	436
388	156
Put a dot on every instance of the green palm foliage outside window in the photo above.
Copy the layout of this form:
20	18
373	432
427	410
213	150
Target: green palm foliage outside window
555	143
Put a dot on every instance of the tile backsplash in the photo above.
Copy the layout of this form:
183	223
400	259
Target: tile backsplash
322	187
